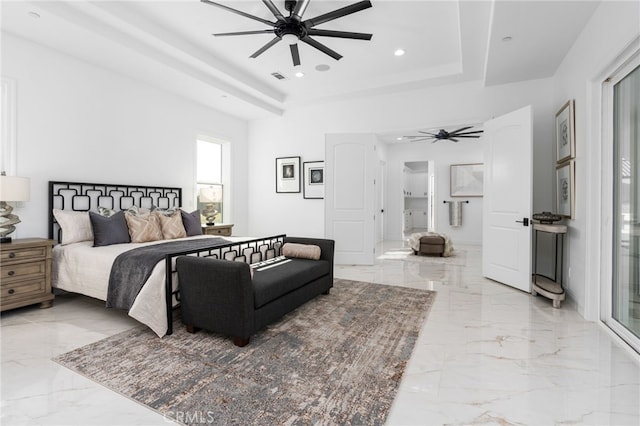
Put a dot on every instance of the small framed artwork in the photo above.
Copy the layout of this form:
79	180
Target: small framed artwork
565	189
288	174
466	180
565	133
313	179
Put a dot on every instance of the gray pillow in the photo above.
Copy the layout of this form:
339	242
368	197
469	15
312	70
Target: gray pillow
109	230
191	222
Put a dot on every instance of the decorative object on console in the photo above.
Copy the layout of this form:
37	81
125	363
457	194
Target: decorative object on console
546	218
293	29
565	133
444	135
209	196
288	174
313	179
12	188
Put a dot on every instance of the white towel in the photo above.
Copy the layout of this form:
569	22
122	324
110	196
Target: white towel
455	213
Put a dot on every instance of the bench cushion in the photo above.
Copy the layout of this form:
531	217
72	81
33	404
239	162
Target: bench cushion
272	283
432	239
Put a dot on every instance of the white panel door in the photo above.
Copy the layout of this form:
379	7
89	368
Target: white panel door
350	197
506	234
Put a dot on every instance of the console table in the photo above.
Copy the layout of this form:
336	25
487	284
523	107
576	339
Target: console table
219	229
549	287
25	272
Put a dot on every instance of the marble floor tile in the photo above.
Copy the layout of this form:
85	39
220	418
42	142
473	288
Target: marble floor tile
487	355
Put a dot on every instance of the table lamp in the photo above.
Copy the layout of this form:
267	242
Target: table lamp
208	196
12	188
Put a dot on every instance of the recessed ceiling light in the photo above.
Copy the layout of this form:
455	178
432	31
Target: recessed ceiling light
399	138
322	67
399	52
299	74
507	38
34	14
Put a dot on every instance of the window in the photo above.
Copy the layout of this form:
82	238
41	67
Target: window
210	179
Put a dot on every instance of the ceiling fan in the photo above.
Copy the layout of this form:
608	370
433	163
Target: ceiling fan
443	134
292	28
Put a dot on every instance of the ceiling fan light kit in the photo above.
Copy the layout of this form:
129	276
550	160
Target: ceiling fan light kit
442	134
292	29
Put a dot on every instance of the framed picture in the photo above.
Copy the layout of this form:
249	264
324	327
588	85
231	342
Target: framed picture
313	179
565	188
466	180
288	174
565	133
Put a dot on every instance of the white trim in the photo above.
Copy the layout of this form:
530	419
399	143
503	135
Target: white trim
9	141
602	253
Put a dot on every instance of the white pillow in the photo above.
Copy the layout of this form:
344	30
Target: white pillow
76	226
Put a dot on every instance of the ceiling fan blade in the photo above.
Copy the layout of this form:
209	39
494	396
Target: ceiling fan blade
272	7
339	34
420	140
238	12
265	47
426	133
295	54
468	133
338	13
453	139
461	129
301	6
467	136
321	47
245	33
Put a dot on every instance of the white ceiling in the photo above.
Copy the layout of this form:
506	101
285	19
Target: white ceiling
168	43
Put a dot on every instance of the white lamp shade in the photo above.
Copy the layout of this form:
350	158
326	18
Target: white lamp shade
210	194
14	188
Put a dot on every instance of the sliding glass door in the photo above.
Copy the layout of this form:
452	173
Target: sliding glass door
625	289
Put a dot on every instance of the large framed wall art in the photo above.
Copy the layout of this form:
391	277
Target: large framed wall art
565	133
287	174
466	180
313	174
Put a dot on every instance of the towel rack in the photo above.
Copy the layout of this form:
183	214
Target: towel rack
466	201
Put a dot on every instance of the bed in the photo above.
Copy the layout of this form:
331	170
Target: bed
79	266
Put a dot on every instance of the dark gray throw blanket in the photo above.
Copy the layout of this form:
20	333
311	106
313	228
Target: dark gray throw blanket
132	268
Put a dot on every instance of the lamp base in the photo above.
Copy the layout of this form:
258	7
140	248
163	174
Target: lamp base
210	223
5	240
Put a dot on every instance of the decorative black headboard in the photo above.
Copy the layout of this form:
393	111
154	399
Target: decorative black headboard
78	196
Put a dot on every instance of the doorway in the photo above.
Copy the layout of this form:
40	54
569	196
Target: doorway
418	197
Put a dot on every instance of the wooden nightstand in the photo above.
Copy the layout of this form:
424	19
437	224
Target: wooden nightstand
25	271
220	229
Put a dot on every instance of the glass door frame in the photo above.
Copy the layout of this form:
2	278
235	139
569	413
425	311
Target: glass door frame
606	277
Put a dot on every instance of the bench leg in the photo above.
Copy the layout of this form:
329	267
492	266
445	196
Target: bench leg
192	329
239	341
328	291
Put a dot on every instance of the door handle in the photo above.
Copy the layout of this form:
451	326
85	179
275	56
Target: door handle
524	221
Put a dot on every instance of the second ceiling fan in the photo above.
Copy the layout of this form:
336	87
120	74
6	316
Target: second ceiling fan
292	28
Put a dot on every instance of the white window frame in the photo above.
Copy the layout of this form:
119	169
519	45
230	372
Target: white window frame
225	174
626	63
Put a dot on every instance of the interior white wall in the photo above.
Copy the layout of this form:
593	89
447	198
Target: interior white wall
301	132
612	28
79	122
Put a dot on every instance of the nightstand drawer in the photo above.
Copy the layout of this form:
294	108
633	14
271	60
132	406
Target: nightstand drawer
19	289
21	271
23	254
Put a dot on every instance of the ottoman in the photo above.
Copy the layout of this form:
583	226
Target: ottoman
431	244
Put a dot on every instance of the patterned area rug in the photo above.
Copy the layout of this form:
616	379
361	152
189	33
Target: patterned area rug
336	360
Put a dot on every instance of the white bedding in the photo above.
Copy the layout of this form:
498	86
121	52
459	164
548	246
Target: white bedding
82	268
